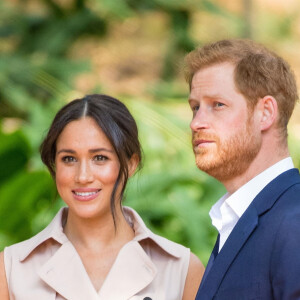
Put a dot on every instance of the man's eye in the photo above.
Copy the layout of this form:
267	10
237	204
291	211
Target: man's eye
219	104
68	159
195	108
100	158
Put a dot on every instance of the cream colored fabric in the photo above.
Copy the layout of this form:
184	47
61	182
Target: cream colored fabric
47	266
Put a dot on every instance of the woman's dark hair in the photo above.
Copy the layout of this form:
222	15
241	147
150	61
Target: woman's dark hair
113	117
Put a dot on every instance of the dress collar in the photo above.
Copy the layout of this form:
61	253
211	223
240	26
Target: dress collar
55	231
142	232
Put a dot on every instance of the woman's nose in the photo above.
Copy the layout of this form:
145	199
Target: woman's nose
84	173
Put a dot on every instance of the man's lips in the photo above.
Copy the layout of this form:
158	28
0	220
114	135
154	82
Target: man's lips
85	194
201	142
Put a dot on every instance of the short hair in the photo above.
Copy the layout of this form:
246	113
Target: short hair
258	72
114	119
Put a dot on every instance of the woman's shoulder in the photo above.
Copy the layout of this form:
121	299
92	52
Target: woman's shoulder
149	239
22	249
172	247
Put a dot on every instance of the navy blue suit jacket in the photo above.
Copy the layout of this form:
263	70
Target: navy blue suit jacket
261	257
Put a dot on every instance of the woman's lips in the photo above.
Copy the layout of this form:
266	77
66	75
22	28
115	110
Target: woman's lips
85	194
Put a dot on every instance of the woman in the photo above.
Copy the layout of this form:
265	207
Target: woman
94	248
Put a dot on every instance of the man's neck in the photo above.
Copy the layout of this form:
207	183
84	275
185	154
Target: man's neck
257	166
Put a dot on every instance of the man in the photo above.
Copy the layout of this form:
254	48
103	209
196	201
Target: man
242	96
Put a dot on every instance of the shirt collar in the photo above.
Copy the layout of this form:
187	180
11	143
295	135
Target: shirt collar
55	231
242	198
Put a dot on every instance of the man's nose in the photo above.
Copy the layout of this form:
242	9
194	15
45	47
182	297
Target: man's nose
84	173
200	120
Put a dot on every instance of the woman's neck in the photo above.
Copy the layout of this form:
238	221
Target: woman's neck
98	233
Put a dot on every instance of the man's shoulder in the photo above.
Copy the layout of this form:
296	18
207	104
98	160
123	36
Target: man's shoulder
288	196
289	202
291	195
285	213
282	182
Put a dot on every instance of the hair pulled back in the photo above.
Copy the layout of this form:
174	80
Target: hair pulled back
114	119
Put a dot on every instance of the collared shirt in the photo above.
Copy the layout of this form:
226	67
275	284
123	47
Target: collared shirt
47	266
226	212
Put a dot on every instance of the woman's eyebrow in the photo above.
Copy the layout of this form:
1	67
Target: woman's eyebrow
90	150
100	149
66	150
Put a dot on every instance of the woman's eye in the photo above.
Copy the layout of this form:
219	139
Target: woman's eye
68	159
100	158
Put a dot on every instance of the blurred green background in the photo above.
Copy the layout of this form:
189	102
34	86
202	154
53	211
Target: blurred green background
52	51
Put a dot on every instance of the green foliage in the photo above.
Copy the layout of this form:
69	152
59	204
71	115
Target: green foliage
14	154
278	27
37	77
116	9
38	69
24	194
27	194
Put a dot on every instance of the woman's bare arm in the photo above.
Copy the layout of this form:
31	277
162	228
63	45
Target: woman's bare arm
3	282
193	279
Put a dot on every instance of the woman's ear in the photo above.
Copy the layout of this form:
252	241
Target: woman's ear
268	110
133	164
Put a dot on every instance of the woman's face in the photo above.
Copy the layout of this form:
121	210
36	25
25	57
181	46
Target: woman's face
87	168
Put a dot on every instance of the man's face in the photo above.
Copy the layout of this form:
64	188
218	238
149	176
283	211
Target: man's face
226	137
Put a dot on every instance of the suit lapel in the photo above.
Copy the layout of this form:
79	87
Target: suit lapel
211	259
132	271
65	273
243	229
231	248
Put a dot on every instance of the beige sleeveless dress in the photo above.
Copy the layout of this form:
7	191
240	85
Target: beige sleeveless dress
47	266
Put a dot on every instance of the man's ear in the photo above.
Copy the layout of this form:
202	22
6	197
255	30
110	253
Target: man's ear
133	164
268	112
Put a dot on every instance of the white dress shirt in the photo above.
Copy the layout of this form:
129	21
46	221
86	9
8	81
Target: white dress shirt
226	212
